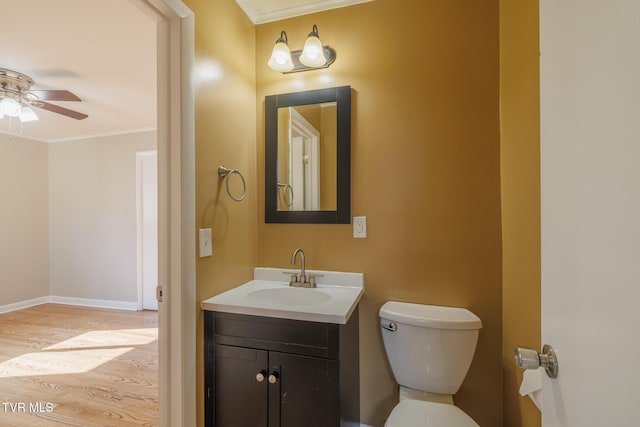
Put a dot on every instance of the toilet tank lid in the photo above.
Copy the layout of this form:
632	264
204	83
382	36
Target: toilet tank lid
430	316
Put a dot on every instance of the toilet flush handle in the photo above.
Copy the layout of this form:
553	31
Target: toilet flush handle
390	327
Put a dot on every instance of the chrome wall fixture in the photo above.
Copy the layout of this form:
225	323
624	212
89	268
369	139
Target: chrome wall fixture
527	358
312	57
225	173
287	190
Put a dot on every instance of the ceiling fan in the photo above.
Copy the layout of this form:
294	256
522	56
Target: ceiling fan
17	98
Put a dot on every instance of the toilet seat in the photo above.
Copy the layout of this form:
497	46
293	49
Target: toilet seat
416	413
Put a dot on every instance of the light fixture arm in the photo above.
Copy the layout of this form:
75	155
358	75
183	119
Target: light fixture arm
283	38
314	31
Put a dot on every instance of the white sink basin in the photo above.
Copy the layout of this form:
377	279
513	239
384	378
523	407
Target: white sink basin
289	296
332	301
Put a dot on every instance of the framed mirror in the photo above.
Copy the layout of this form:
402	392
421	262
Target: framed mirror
308	157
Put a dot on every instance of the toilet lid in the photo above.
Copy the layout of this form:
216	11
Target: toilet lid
417	413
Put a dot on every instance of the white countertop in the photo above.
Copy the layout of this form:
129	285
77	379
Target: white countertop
333	300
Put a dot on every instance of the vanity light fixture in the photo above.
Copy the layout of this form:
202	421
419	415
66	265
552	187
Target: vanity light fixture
312	57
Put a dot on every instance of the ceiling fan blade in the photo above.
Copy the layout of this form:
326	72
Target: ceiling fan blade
54	95
60	110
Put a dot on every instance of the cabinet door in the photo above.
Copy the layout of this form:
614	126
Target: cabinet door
306	392
240	397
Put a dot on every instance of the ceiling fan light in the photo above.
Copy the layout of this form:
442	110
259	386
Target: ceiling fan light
312	53
10	107
28	115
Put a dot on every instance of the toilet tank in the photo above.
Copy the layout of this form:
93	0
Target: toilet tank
429	347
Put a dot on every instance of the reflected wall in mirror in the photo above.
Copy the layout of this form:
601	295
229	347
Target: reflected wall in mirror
308	156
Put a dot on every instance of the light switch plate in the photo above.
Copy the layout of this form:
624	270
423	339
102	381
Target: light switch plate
204	240
359	227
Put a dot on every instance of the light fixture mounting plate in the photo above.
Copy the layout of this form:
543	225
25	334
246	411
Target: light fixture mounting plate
298	66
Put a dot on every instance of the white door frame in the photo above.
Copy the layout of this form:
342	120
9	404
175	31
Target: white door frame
307	195
176	211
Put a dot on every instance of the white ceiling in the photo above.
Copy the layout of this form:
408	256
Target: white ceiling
104	51
261	11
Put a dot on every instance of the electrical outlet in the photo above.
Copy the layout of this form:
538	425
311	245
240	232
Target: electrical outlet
360	227
205	242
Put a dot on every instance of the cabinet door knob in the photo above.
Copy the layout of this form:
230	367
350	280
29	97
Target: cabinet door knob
260	376
273	378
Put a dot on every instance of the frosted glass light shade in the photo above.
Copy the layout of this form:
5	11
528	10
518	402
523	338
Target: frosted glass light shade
28	115
10	107
312	54
281	58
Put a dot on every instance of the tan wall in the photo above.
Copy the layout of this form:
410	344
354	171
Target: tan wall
425	171
520	168
24	219
225	134
92	192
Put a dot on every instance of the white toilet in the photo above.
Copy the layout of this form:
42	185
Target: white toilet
430	349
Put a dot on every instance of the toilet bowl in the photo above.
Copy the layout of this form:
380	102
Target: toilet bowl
430	349
416	413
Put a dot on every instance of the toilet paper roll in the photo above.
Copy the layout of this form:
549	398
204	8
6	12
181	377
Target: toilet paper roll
532	385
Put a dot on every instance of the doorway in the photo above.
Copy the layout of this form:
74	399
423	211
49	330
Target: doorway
147	228
176	210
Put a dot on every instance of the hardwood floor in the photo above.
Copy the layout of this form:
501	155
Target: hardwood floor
75	366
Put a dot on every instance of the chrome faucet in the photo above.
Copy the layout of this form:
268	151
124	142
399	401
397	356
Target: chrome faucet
301	280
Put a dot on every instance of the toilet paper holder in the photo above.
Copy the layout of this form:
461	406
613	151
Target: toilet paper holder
527	358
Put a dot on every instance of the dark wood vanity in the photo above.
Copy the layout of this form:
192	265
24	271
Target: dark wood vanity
265	371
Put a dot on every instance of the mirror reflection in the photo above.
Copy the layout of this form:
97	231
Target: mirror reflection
307	157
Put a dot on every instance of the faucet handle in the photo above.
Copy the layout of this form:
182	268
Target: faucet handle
293	277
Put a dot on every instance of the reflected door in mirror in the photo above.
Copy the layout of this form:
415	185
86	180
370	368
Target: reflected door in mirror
307	149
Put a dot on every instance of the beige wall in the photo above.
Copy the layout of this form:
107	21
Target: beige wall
24	226
225	134
92	216
520	169
425	171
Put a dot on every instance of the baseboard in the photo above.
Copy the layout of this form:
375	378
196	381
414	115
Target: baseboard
23	304
97	303
84	302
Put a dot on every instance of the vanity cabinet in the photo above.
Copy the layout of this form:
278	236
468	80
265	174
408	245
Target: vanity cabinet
269	372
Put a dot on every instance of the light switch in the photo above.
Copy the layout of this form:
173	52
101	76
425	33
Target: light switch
205	242
360	227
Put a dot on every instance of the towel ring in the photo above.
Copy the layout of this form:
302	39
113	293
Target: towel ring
224	173
284	194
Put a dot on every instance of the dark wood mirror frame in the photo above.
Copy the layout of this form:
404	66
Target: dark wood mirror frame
342	214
